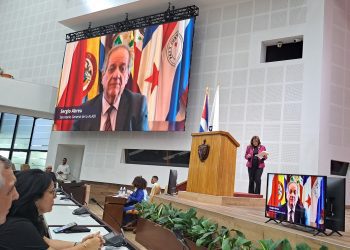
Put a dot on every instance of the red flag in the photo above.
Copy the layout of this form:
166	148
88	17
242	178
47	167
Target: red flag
73	90
274	197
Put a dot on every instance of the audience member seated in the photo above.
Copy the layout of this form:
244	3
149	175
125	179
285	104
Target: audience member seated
144	186
25	167
155	187
136	197
25	228
48	170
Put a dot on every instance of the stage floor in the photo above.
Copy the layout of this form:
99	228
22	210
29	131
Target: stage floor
251	221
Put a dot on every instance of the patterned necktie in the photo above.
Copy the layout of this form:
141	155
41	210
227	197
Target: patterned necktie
108	124
291	216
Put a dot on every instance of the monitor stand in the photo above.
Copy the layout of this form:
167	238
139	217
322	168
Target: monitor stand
319	232
278	222
334	231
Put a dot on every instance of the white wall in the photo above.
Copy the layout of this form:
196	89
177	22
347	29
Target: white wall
278	101
103	155
38	100
335	104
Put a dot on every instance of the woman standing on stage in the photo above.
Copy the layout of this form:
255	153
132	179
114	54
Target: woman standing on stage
255	156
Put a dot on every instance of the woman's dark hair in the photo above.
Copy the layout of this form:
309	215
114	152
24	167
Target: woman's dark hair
31	186
139	182
255	137
144	183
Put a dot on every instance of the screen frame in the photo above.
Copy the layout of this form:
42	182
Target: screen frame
303	225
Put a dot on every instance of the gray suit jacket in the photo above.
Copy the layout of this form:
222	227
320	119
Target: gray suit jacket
132	113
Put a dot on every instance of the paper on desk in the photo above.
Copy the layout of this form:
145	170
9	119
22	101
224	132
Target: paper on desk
262	154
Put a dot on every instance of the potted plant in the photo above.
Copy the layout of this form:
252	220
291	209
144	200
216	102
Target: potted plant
165	227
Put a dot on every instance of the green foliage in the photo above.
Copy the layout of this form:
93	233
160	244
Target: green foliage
205	232
303	246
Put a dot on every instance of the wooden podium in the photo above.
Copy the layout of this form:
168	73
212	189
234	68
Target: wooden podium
114	209
216	174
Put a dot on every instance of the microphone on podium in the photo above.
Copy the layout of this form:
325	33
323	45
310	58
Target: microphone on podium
111	238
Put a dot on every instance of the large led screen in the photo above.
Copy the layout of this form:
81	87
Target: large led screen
298	199
130	81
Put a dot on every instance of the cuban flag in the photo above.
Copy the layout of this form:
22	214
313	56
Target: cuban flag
214	115
203	127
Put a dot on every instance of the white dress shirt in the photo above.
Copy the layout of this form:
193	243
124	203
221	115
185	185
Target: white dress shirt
113	114
65	169
293	213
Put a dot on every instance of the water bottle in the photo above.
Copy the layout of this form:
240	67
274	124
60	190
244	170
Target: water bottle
120	191
124	191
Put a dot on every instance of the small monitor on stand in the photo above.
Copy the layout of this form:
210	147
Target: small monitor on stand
172	182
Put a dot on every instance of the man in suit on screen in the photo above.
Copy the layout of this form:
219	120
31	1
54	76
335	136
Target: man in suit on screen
294	211
116	108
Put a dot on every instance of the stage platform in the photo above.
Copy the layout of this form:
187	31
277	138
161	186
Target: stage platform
247	215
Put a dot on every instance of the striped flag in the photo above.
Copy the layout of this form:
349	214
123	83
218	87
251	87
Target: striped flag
276	194
148	73
320	204
203	127
214	115
138	40
183	33
91	74
315	191
163	72
70	91
307	198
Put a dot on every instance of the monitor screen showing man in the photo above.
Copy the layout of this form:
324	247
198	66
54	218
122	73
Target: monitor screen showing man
117	108
136	80
295	212
298	199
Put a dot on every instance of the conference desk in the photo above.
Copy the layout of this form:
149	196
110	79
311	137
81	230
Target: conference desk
61	215
114	208
60	200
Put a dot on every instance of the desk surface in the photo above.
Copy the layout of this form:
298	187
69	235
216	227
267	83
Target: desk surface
58	200
76	237
62	215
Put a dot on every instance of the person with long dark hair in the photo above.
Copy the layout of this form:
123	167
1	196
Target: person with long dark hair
255	164
36	197
137	196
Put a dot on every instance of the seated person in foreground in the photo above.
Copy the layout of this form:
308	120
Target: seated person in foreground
25	227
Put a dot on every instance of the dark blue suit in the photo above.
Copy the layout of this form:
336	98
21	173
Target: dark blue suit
299	214
132	113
